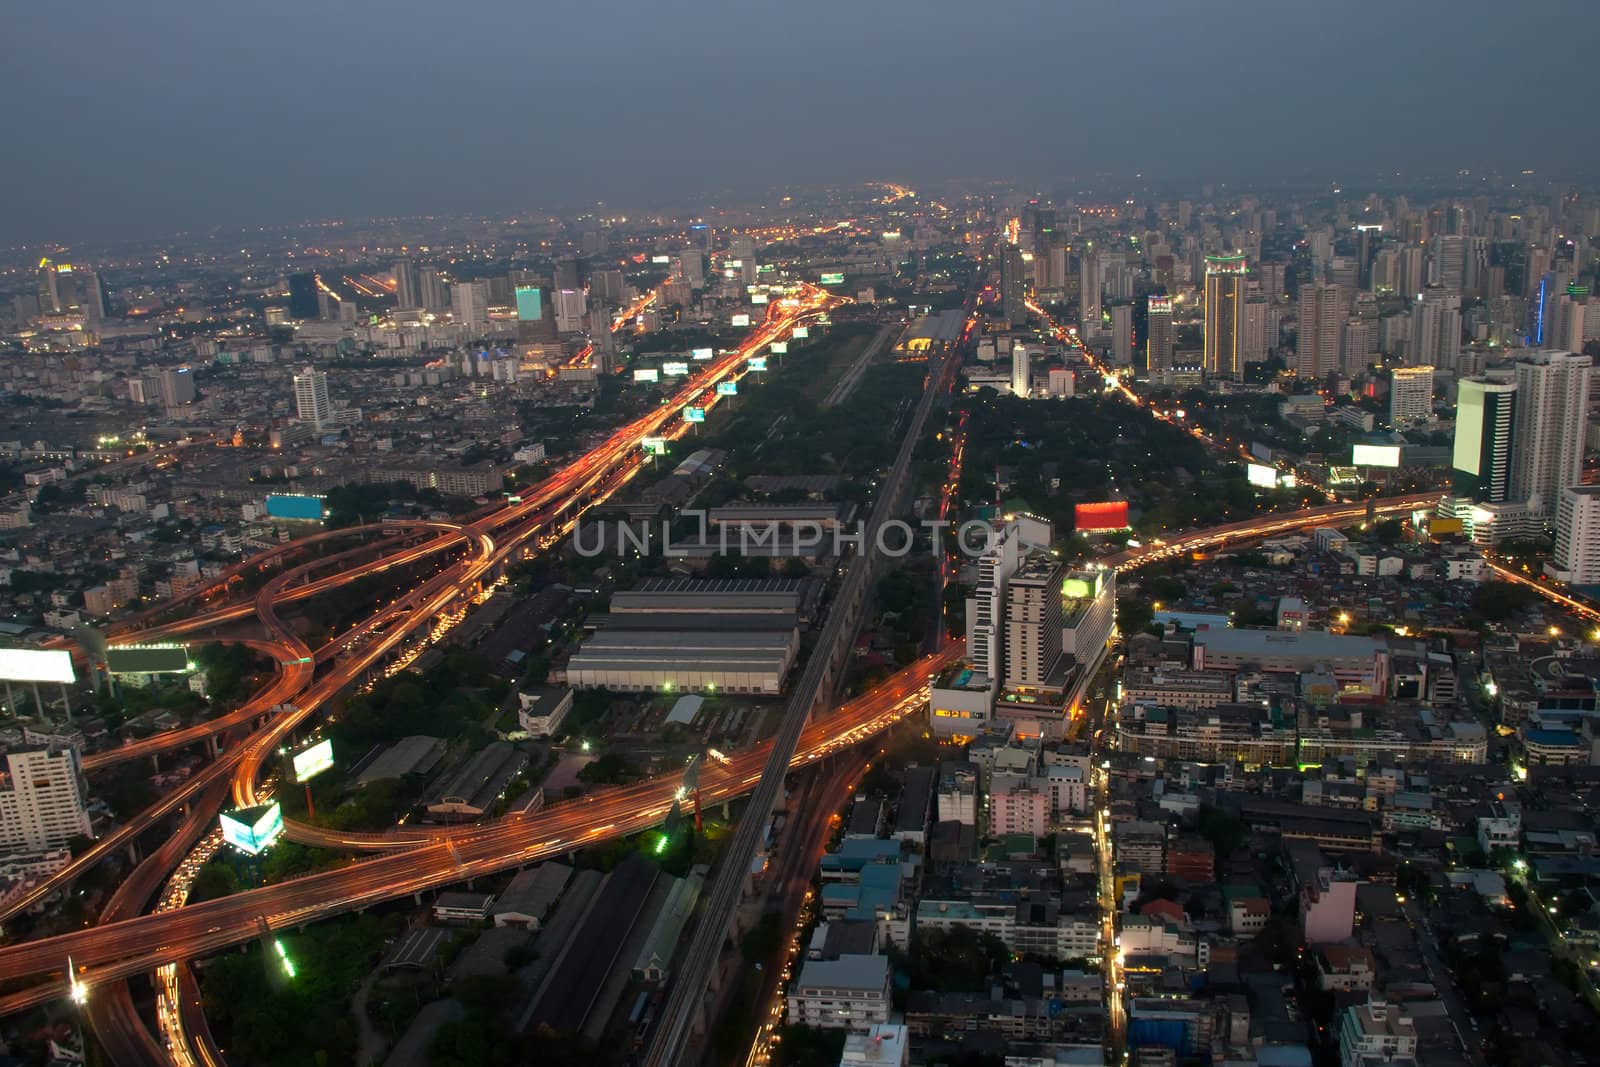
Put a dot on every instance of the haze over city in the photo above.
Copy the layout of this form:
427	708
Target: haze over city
139	121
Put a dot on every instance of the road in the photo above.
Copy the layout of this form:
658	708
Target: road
685	999
130	946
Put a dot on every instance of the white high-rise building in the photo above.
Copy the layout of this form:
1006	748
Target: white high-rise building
1552	420
1158	336
1577	554
311	404
42	799
1021	371
405	285
986	606
1091	281
571	305
469	303
1410	395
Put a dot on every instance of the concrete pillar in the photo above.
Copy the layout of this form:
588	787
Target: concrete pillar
133	852
155	763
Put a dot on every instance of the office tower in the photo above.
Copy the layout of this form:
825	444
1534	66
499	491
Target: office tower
431	290
1013	291
1577	554
1321	316
568	275
42	799
1033	623
46	290
1091	282
1410	395
692	268
1567	319
986	606
1021	371
1384	276
469	303
1158	339
1551	424
1052	268
93	295
177	386
1224	310
571	305
405	285
303	303
1412	276
1355	341
1253	332
1481	456
1122	335
1435	329
742	246
311	404
608	287
1535	267
1447	262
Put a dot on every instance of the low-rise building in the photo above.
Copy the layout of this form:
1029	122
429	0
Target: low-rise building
849	993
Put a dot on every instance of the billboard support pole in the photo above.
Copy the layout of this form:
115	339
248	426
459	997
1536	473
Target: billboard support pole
38	701
311	809
66	702
11	700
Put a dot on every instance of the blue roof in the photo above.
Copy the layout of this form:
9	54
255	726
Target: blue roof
1553	737
857	852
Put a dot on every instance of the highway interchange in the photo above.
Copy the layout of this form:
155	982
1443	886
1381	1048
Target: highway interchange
471	555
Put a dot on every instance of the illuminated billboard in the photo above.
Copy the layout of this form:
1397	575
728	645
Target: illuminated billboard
252	830
36	665
647	374
653	446
758	363
663	260
1375	455
675	369
530	303
780	348
701	353
1109	515
800	333
694	414
727	388
832	278
148	659
1261	475
310	762
758	298
294	506
740	319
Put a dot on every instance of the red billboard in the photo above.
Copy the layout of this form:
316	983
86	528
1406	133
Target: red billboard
1110	515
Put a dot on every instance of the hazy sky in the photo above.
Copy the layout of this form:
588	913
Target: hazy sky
135	119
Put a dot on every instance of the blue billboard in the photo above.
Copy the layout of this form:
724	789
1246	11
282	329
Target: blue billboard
530	303
286	506
727	388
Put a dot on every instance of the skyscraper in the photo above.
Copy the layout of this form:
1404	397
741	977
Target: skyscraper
1091	286
1224	311
431	290
986	606
1013	291
1552	420
1122	335
405	285
571	304
1158	336
1321	316
303	303
311	404
1481	457
1033	623
1435	329
469	303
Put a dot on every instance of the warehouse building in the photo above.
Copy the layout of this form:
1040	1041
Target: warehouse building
696	636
